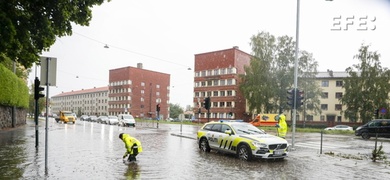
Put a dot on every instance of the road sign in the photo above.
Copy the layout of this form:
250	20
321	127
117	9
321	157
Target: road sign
383	111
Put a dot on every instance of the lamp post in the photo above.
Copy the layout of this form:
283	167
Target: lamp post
294	118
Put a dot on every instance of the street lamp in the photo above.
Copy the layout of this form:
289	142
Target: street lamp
294	118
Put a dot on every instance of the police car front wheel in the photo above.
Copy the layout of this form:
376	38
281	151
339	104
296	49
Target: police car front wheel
204	145
244	152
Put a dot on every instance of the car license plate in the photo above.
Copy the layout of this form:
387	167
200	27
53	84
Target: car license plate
278	152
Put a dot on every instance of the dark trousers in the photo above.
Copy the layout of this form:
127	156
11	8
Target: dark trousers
132	158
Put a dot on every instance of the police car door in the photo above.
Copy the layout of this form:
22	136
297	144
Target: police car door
225	138
212	135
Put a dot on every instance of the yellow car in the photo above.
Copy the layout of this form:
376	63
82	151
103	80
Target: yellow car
242	139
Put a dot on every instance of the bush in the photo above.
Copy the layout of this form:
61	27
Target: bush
13	91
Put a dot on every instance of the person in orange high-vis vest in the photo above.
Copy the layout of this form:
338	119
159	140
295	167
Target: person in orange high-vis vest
133	146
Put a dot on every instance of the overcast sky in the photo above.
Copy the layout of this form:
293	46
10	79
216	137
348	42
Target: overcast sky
165	35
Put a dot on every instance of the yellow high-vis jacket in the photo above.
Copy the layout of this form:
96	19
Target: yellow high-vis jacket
282	130
129	142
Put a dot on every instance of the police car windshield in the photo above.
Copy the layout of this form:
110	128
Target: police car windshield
246	129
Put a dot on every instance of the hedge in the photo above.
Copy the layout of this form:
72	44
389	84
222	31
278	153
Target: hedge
13	90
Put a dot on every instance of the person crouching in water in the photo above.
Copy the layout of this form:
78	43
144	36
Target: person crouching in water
132	145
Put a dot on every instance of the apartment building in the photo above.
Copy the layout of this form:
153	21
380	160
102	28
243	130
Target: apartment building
217	76
331	84
137	91
92	101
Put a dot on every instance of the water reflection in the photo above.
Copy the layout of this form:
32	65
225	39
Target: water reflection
133	171
12	154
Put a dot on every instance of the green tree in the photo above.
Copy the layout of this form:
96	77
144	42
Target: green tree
29	27
175	110
271	73
366	87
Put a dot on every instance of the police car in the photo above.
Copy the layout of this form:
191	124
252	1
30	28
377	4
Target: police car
242	139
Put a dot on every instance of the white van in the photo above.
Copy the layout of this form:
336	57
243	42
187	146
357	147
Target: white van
126	120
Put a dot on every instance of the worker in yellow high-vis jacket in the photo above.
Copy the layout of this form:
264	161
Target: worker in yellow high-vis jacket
133	146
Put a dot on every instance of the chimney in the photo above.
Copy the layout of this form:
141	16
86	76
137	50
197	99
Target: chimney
139	65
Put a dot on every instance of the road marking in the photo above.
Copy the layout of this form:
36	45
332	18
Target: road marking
316	145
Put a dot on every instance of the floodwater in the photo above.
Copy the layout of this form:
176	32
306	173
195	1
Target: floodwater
88	150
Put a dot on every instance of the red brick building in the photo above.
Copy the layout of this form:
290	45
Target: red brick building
217	76
137	91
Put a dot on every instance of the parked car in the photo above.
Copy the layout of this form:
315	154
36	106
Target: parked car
102	119
75	116
93	118
112	120
85	118
340	127
126	120
242	139
380	127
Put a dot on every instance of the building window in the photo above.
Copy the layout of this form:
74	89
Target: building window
203	94
209	83
229	82
324	106
203	83
322	118
229	93
196	94
338	118
209	73
228	104
229	71
215	93
223	82
221	115
339	95
216	72
325	84
339	83
216	82
221	104
209	93
203	73
338	107
157	86
142	84
324	95
221	93
223	71
142	91
309	117
215	104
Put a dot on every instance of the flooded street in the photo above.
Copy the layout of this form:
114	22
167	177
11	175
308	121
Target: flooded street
88	150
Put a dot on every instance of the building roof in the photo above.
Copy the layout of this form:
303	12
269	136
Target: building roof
332	74
83	91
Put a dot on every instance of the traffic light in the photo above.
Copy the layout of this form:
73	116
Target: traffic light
290	97
300	96
207	103
376	113
158	107
38	89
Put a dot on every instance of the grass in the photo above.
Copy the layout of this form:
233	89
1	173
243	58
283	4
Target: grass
266	128
311	130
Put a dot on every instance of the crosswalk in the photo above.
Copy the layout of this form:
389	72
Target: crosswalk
316	145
